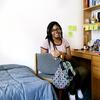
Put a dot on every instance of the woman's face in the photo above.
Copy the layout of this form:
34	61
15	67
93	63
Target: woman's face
56	32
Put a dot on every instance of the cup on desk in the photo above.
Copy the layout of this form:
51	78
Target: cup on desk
85	47
99	48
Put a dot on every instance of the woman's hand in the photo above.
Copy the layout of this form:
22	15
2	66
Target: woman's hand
62	55
55	53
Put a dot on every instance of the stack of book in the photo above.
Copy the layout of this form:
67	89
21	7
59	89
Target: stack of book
90	3
97	2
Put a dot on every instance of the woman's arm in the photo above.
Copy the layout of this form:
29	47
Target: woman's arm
67	55
54	53
43	50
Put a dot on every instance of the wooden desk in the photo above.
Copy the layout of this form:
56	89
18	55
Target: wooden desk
94	59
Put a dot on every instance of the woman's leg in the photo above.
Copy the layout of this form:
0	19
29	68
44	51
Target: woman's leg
73	87
83	73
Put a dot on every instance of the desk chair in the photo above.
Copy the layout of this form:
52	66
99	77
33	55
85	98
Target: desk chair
46	66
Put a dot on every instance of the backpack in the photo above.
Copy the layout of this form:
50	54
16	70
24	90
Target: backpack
64	75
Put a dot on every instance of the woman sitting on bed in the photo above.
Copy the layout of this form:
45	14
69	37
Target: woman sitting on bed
59	47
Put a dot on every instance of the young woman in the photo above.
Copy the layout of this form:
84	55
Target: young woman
59	47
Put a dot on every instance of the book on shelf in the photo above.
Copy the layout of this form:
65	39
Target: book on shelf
92	3
97	2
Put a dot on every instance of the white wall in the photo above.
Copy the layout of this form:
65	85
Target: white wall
23	26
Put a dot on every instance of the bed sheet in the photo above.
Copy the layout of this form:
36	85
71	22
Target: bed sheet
18	82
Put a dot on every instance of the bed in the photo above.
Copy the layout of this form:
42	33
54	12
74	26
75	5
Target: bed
18	82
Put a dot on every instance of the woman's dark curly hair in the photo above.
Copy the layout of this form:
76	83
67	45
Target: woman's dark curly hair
49	30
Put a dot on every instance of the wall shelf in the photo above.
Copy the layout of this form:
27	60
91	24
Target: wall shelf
87	21
96	7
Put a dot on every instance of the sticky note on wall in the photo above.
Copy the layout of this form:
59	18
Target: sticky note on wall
70	34
87	27
95	27
91	26
72	28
